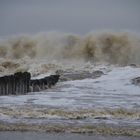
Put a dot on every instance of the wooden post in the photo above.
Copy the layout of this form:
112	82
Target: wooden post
20	83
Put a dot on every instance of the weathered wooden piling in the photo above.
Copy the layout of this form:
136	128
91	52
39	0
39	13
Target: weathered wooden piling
21	83
15	84
43	83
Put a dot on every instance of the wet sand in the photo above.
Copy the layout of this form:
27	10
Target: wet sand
58	136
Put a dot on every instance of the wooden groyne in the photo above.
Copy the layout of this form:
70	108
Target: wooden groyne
43	83
21	83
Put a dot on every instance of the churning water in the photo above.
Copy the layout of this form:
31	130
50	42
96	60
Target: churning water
107	103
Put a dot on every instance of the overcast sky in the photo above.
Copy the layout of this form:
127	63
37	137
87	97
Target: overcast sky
75	16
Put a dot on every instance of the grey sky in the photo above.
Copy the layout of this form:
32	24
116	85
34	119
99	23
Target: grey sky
76	16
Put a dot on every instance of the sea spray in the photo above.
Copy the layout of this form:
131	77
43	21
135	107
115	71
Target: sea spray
62	50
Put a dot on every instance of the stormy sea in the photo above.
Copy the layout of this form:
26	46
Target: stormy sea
98	91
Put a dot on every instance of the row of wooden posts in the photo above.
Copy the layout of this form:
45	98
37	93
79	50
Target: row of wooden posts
21	83
15	84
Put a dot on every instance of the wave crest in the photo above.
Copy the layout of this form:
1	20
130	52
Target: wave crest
121	48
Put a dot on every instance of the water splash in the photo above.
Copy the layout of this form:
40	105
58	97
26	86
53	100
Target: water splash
63	50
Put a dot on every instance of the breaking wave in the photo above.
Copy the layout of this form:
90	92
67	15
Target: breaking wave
122	48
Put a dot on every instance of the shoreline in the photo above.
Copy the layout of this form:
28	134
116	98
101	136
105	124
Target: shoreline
94	129
61	136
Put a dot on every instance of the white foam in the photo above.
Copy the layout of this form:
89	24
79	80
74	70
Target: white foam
114	89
